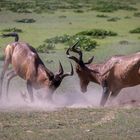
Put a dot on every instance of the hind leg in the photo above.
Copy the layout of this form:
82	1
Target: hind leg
106	93
105	96
5	67
10	76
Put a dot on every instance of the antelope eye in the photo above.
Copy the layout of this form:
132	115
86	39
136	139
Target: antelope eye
78	69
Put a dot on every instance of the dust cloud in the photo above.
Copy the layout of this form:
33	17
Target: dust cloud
64	98
72	98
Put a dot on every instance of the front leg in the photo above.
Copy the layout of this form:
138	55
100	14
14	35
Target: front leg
105	94
30	90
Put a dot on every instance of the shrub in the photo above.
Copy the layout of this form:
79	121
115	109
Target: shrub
12	30
137	30
21	7
127	17
50	46
97	33
58	39
62	16
137	14
25	20
78	11
113	19
105	8
40	6
111	6
44	48
41	48
85	43
102	16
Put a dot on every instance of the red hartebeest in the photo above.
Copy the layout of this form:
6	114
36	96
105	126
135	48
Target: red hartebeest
28	65
113	75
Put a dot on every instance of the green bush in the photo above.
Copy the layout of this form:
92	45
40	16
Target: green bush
78	11
44	48
127	17
97	33
137	14
102	16
62	16
12	30
137	30
26	20
58	39
22	7
111	6
50	6
85	43
105	8
41	48
50	46
85	39
113	19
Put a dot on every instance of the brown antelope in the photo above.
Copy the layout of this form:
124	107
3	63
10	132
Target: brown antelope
28	65
113	75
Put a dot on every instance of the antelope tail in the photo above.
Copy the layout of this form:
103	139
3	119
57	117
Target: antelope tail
11	35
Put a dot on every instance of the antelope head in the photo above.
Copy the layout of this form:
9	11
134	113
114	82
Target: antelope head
82	69
56	79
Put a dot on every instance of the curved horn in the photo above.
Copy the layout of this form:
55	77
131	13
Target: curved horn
69	73
49	73
89	61
71	57
73	48
77	51
61	71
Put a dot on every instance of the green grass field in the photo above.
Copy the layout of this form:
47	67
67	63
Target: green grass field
109	123
71	124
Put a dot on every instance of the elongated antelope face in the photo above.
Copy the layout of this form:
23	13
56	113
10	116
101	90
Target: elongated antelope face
82	70
83	74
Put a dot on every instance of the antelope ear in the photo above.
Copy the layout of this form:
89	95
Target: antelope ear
90	60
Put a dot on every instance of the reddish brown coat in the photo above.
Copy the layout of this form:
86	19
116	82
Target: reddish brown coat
27	64
113	75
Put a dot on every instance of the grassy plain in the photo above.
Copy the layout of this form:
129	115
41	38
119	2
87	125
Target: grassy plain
72	124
